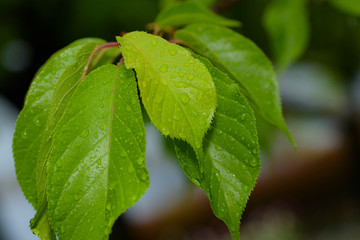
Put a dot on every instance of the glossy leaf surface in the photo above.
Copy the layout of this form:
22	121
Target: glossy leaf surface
184	13
32	120
247	64
62	93
287	26
176	89
229	164
97	162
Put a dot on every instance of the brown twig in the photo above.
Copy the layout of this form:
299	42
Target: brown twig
106	45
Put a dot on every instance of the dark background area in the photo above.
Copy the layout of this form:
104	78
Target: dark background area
309	193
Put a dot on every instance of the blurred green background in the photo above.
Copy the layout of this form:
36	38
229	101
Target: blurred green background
312	192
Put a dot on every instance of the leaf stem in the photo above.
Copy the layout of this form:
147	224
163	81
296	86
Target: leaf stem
106	45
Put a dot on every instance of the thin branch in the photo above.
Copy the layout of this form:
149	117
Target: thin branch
98	48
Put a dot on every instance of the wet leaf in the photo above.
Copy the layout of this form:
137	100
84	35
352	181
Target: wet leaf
176	89
229	162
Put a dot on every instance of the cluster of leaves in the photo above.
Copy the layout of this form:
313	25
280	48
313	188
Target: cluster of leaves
79	142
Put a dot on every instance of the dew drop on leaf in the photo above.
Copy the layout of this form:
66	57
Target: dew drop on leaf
154	42
243	116
181	74
24	135
96	135
84	133
184	98
108	206
37	123
165	131
164	68
253	163
172	52
102	126
190	77
98	161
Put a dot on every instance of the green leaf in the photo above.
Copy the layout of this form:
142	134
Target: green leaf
287	26
229	164
247	64
348	6
184	13
176	89
97	162
33	117
61	94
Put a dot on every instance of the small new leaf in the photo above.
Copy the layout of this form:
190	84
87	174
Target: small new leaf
97	163
184	13
247	64
176	89
229	162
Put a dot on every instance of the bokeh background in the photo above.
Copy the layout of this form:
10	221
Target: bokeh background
312	192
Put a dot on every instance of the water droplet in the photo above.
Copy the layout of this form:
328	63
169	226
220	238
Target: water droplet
184	98
162	53
98	161
190	77
130	169
243	116
24	135
154	42
76	197
108	206
59	163
91	228
253	163
255	151
102	126
218	176
101	105
165	131
62	230
37	123
140	160
181	74
172	51
164	68
199	96
84	133
96	135
178	84
143	176
196	181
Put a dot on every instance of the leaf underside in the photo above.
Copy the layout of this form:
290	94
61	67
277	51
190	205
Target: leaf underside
229	162
244	61
97	162
176	89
